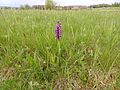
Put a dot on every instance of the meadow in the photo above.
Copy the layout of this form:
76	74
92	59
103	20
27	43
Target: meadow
86	58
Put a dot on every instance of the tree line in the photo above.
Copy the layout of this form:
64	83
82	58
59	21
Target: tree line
116	4
49	5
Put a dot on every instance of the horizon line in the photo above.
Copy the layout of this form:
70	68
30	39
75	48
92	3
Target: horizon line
17	6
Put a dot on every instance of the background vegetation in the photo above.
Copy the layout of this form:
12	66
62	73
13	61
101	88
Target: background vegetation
116	4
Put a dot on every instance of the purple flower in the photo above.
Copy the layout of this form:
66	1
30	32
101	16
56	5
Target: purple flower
58	31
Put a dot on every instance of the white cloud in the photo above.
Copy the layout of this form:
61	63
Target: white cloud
20	2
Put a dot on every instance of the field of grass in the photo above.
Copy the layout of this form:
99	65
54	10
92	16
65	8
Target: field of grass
86	58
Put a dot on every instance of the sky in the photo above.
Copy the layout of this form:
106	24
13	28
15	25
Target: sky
17	3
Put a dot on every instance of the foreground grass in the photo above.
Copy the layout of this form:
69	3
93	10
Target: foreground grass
86	58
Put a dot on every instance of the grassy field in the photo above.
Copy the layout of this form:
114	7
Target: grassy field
86	58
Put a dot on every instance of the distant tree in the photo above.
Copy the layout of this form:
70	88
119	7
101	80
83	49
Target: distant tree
26	6
115	4
99	6
41	7
49	4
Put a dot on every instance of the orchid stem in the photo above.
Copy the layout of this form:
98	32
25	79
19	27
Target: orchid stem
59	49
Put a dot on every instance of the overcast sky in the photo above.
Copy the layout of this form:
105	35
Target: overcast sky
17	3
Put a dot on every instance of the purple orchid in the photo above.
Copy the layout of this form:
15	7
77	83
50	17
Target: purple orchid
58	31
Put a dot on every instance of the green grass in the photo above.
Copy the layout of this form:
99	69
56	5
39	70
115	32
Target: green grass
86	58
